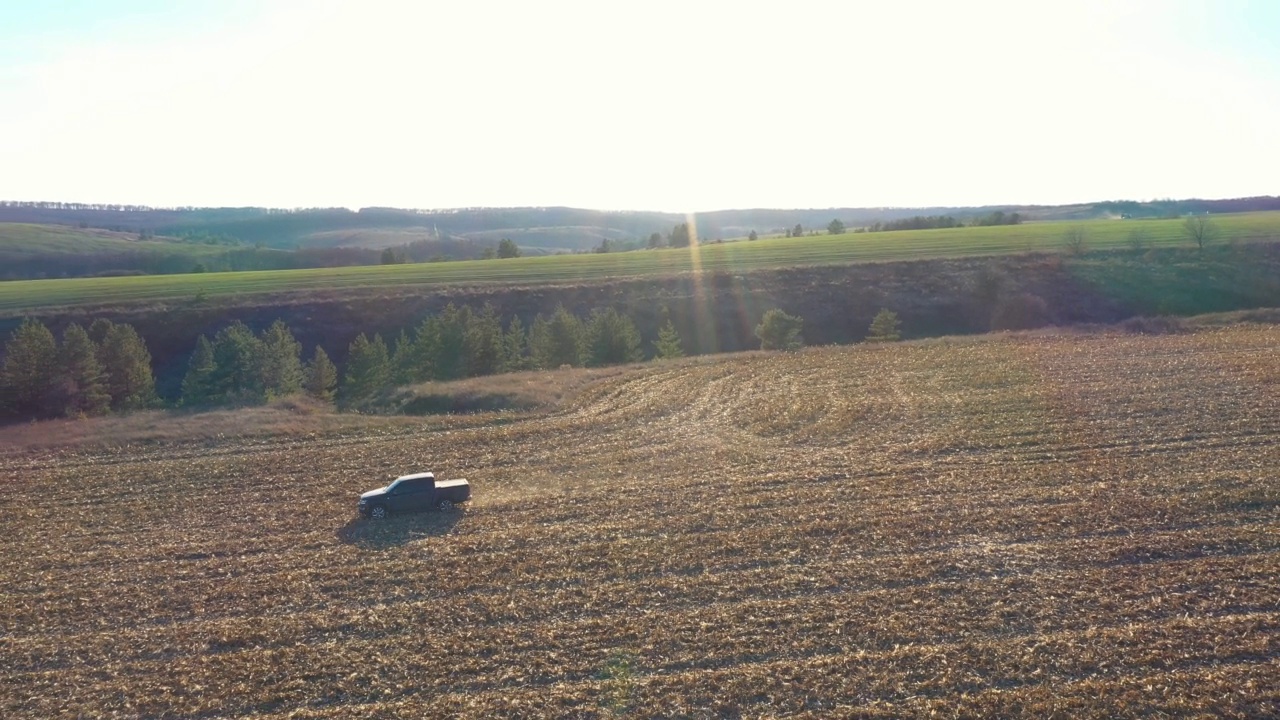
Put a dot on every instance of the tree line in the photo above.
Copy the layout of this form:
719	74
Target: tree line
460	342
108	367
935	222
919	222
90	372
238	367
179	257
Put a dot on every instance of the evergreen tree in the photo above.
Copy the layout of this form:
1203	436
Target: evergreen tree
681	236
752	235
612	339
557	341
81	385
30	369
98	330
884	327
197	385
415	360
483	342
779	331
514	347
402	360
280	363
668	345
447	334
368	372
508	249
836	227
797	231
237	355
127	364
321	376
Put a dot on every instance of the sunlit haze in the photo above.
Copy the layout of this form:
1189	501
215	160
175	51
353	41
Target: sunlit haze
650	105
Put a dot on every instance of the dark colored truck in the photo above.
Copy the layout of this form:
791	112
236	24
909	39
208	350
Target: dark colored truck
413	493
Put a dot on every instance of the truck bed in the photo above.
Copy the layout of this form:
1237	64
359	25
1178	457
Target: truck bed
453	490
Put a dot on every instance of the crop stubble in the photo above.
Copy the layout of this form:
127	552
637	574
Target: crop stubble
1040	526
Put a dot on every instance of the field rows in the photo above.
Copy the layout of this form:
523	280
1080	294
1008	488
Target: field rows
1046	526
23	295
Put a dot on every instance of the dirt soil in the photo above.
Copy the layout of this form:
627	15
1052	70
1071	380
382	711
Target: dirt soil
1015	526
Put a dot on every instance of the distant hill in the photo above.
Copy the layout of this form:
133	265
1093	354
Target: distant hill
466	232
34	251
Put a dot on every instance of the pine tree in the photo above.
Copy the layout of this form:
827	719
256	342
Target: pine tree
415	360
482	342
508	249
280	363
668	346
514	347
442	340
612	339
98	330
321	376
681	236
30	369
81	385
779	331
402	360
368	372
884	327
557	341
197	385
127	364
238	355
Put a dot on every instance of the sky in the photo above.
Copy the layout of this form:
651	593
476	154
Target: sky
674	106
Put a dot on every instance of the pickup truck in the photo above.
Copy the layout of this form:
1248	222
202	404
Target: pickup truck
412	493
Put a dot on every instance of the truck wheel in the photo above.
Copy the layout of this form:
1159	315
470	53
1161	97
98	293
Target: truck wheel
445	505
378	512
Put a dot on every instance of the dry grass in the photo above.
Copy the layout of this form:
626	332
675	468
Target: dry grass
1035	525
539	390
294	416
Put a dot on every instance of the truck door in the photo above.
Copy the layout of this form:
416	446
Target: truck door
415	495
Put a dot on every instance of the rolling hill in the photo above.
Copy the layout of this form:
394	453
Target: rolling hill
734	257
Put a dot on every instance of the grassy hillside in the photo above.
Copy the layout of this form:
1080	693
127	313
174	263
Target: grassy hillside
28	250
16	297
1005	527
287	229
20	242
535	241
552	239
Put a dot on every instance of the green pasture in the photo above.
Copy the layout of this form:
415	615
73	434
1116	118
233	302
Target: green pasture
23	240
19	296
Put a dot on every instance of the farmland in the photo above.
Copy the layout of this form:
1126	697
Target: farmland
59	251
21	296
18	240
1038	526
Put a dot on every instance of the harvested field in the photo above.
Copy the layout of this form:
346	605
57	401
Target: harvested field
1037	526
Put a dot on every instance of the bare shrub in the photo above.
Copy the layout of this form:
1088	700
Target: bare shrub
1200	229
1138	239
1076	240
1020	312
